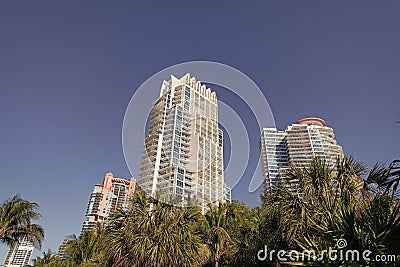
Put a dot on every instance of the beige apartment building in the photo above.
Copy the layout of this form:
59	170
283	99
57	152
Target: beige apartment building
297	145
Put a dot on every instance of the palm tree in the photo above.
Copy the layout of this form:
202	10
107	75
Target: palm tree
48	259
16	217
153	233
86	250
244	227
339	203
284	219
219	223
392	177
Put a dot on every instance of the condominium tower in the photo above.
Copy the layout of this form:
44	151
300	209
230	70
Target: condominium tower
106	198
19	254
61	250
297	145
183	150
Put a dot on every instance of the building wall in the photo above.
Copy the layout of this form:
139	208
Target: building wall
183	150
274	156
297	145
19	254
61	250
106	198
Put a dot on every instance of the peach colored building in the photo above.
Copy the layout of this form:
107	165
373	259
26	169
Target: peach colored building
106	198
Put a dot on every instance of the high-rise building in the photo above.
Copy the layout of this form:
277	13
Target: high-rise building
106	198
297	145
19	254
61	250
183	150
274	156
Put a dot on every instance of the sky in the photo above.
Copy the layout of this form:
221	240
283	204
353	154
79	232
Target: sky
69	69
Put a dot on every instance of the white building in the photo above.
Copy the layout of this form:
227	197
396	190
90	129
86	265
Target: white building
19	254
274	156
183	151
297	145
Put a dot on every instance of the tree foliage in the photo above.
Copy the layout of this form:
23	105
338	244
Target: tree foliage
16	216
346	201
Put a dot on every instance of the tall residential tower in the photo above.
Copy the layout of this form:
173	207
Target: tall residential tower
19	254
297	145
106	198
183	150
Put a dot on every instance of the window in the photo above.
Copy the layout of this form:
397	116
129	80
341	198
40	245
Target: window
187	90
179	191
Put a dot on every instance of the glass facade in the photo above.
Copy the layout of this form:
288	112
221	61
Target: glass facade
297	145
183	148
114	193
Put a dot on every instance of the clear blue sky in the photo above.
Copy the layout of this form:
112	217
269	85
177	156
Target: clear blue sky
69	68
